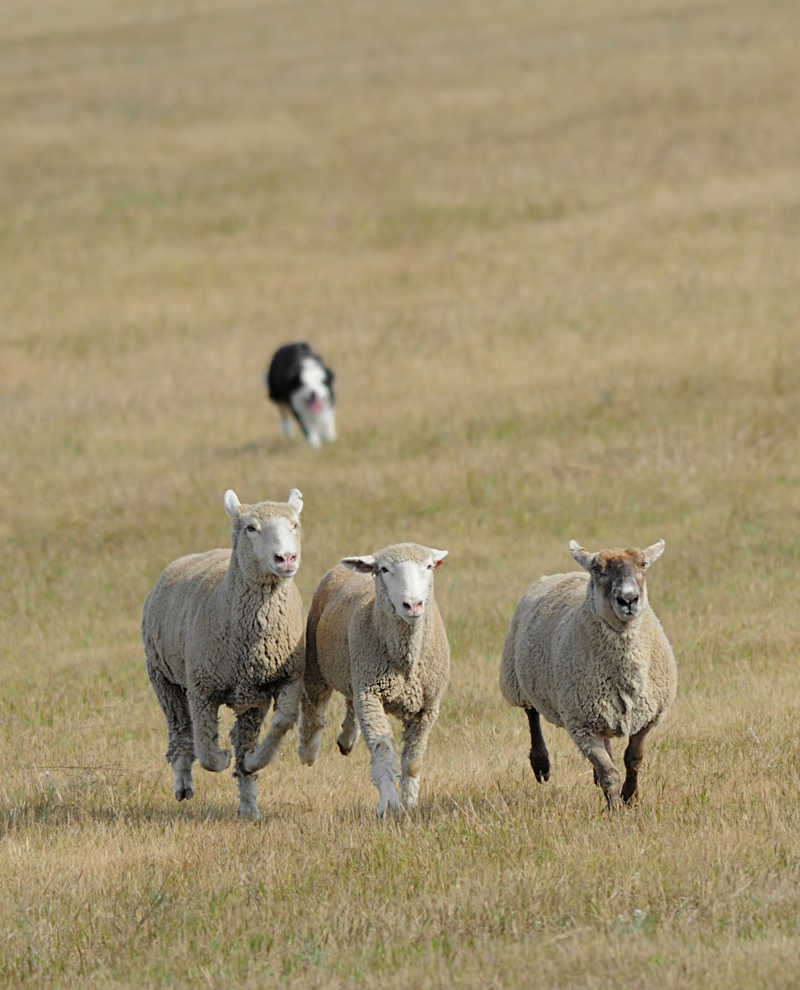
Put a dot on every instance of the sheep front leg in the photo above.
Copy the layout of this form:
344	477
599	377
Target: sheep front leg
383	761
596	749
607	745
540	760
287	702
314	699
415	742
205	732
633	761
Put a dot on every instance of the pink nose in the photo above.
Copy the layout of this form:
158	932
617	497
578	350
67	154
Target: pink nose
413	608
286	561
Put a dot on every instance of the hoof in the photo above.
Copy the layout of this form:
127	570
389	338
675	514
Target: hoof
393	806
344	750
217	762
308	752
184	794
611	790
541	768
251	762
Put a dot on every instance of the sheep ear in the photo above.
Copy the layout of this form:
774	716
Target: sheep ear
231	502
652	553
364	565
437	556
296	500
583	557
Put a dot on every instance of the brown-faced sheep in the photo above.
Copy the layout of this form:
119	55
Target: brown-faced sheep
588	653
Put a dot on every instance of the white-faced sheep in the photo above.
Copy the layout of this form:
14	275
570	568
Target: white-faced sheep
377	637
588	653
225	627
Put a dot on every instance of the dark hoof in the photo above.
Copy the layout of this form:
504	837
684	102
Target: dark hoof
630	794
184	794
541	768
344	750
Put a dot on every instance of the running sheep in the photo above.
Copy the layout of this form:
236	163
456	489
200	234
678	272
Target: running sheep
225	627
375	634
588	653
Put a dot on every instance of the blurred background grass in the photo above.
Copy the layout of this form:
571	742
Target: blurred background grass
552	257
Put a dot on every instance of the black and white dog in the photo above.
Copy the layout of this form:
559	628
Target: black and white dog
300	383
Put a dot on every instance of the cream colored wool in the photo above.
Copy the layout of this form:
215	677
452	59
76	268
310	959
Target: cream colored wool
356	644
221	628
568	657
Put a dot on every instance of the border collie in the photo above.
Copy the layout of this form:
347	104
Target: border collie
301	384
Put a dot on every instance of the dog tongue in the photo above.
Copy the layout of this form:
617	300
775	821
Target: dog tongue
315	405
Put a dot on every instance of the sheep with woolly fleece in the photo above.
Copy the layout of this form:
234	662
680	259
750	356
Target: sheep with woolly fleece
588	652
225	627
375	634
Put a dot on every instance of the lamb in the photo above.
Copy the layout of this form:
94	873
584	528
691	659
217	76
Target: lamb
226	627
377	637
588	653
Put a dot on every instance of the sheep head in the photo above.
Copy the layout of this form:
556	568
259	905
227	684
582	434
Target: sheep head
266	537
617	580
403	576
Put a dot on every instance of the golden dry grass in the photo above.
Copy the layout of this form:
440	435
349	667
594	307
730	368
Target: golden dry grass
551	252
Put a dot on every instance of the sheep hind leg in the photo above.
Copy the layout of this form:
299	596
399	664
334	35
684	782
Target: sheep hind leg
633	761
244	736
539	757
348	737
287	702
180	748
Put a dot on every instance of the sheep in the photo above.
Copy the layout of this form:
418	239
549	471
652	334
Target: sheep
588	653
377	637
226	627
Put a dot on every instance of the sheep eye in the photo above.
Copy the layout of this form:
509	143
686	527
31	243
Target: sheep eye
384	570
251	528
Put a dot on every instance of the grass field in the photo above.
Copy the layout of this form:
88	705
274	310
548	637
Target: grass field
551	251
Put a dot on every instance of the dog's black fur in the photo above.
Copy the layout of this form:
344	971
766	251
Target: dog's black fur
284	379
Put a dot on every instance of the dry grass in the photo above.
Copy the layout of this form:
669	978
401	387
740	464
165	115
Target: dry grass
551	252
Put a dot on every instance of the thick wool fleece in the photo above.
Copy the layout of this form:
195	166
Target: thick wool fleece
218	631
209	631
560	658
357	645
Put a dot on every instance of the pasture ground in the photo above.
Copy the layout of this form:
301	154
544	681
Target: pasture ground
552	253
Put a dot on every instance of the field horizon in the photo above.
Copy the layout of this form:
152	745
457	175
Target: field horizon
551	254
